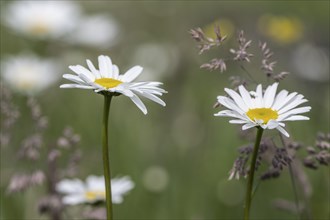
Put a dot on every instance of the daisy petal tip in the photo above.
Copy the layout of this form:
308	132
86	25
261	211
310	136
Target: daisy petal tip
65	86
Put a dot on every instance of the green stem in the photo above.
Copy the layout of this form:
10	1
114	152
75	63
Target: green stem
248	197
106	163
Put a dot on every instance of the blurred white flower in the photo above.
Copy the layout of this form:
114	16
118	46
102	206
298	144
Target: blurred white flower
42	19
155	178
29	74
96	31
76	191
311	63
159	60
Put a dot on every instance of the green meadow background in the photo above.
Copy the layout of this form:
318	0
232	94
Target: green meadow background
178	156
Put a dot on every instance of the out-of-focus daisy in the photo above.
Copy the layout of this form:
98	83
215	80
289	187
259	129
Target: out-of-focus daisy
76	191
159	60
282	29
42	19
311	63
29	74
106	26
264	109
107	79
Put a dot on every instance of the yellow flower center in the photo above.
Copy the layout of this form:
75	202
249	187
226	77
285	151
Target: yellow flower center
39	28
93	195
108	82
264	114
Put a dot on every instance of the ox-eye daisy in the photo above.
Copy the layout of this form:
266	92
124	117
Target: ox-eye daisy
76	191
263	110
29	74
42	19
108	79
266	110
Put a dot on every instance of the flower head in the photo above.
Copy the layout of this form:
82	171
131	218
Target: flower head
264	109
89	25
107	79
76	191
42	19
29	74
282	29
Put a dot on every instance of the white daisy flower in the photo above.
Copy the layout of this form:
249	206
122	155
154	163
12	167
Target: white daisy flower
42	19
76	191
29	74
266	110
89	25
108	79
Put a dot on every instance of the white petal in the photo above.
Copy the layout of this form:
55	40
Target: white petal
131	74
280	98
152	91
298	100
121	186
272	124
85	78
237	99
246	96
281	124
286	100
259	100
99	90
95	183
229	113
152	98
108	62
296	118
67	186
269	95
225	101
247	126
82	70
93	69
74	199
103	67
117	199
137	101
283	131
74	78
124	91
259	121
237	121
70	86
115	71
294	112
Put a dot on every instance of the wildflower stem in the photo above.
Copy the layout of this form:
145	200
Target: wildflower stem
248	197
106	162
